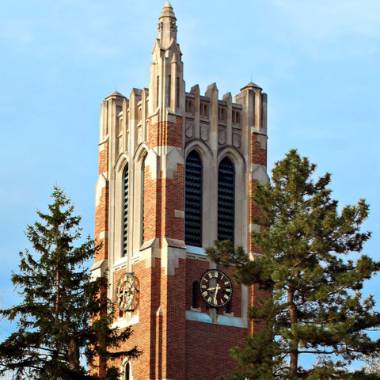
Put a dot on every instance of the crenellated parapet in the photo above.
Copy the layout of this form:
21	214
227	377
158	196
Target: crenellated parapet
224	122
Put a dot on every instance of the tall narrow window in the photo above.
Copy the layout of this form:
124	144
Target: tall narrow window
195	295
169	91
226	200
177	92
193	200
142	237
157	90
127	372
125	211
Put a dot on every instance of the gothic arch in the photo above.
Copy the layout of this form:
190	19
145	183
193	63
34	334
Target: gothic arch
121	162
208	170
240	192
126	370
204	150
119	225
234	155
140	152
193	199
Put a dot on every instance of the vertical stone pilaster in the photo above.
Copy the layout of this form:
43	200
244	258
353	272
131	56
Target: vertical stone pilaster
254	103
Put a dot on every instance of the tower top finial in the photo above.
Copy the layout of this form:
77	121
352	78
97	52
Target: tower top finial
167	10
167	26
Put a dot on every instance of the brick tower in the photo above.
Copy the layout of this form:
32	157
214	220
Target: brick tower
177	172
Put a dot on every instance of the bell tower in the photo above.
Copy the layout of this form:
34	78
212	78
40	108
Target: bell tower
177	172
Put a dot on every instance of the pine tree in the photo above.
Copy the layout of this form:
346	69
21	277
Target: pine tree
311	265
372	365
59	320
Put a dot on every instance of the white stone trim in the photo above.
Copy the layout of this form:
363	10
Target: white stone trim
120	262
170	257
122	323
195	250
170	162
225	320
198	316
101	183
259	173
179	214
254	227
122	368
103	235
98	269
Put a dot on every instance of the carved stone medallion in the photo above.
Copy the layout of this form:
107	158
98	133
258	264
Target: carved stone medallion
127	292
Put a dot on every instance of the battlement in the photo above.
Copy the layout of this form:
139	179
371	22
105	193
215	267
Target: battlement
228	116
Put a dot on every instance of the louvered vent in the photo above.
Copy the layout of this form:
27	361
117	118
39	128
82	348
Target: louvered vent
226	200
193	200
125	212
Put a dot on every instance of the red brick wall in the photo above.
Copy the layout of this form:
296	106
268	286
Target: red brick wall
160	333
162	196
152	204
194	270
237	293
101	211
207	349
103	158
144	334
165	133
173	199
258	154
174	348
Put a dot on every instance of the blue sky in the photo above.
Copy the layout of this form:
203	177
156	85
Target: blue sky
319	62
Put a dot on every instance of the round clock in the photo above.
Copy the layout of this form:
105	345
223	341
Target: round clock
127	292
216	288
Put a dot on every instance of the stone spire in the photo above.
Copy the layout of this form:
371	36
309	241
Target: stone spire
166	86
167	26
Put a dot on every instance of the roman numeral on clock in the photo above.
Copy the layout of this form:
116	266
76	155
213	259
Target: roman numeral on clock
216	288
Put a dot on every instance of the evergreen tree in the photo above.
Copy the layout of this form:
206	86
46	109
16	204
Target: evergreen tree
61	319
372	365
313	279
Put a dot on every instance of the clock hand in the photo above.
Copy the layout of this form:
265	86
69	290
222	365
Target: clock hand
216	292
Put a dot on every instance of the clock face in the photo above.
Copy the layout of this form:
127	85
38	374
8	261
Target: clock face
127	292
216	288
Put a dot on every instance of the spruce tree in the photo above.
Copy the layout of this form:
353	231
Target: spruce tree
311	265
61	323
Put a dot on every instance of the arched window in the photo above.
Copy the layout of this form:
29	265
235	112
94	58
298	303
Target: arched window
193	200
125	211
226	200
142	237
127	372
